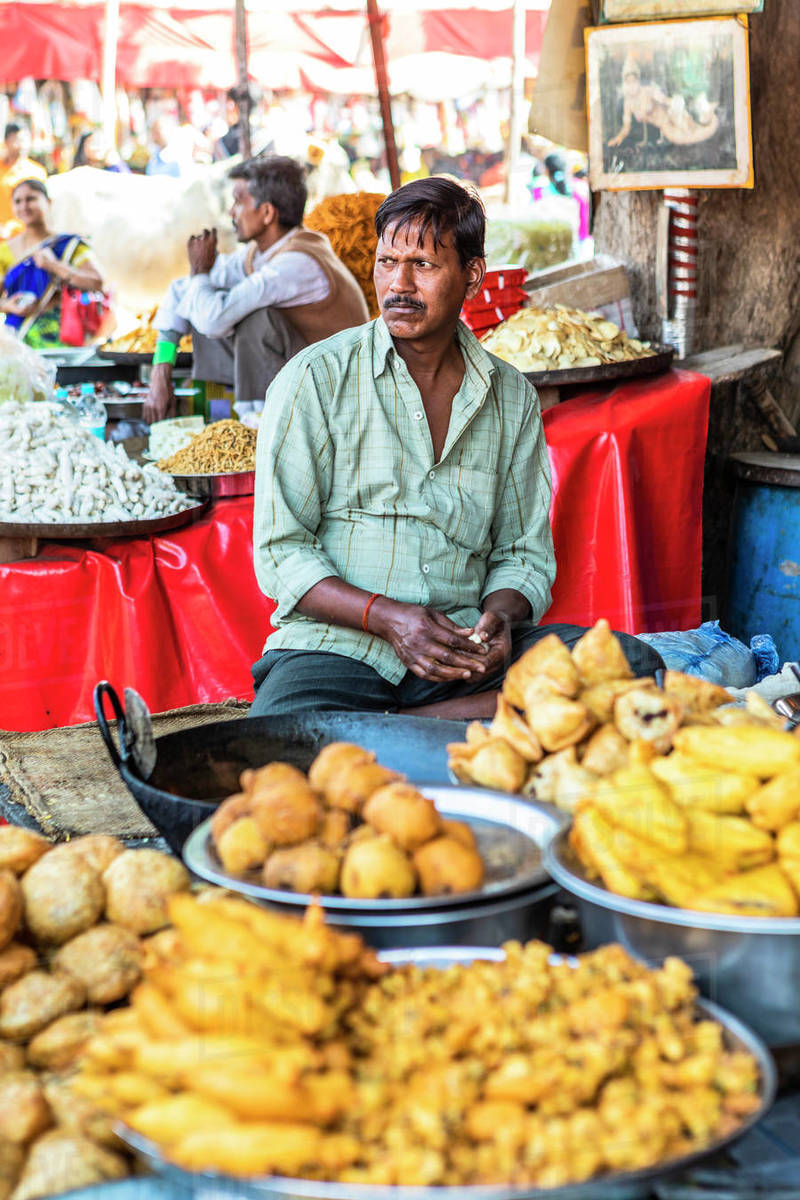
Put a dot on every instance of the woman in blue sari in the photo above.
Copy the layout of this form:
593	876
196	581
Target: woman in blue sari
37	264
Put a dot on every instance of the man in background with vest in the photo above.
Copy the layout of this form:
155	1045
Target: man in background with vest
249	312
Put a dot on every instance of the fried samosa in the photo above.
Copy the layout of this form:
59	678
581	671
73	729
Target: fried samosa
649	715
557	721
601	698
694	695
599	656
548	665
513	728
606	751
491	763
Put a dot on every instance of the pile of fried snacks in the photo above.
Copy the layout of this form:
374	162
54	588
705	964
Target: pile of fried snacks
350	826
76	921
348	221
142	339
258	1044
222	446
677	796
549	339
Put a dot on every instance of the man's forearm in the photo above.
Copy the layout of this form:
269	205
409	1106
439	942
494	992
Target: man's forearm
336	603
507	602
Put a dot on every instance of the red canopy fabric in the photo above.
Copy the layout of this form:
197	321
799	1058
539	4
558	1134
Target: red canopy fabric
175	46
180	617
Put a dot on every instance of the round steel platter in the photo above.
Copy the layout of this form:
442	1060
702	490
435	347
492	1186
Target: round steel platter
217	486
510	834
629	368
102	529
627	1185
136	358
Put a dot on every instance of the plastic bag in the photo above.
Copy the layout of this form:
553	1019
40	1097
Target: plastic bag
24	374
711	653
538	237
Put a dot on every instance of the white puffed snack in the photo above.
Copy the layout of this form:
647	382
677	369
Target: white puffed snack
55	471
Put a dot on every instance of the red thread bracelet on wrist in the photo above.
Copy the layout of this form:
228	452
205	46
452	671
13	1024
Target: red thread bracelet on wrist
375	596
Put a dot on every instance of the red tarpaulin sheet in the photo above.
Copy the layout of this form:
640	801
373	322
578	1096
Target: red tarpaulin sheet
175	46
180	617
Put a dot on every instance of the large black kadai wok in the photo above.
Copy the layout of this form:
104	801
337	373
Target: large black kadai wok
179	779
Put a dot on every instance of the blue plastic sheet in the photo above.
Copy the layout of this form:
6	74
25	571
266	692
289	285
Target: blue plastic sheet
711	653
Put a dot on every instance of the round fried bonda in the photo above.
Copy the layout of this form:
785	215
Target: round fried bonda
242	846
63	896
446	866
402	812
107	960
138	884
460	831
230	810
62	1043
309	867
11	906
377	869
335	828
287	814
274	774
36	1000
97	849
334	758
20	848
24	1112
15	960
12	1058
352	786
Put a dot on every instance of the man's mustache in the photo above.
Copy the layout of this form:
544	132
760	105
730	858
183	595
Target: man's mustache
403	302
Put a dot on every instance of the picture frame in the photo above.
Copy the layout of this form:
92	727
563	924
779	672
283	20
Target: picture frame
654	10
669	105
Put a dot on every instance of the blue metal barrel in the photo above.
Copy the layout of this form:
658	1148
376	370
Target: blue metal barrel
764	554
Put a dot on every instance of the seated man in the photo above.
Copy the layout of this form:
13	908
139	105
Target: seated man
403	492
250	311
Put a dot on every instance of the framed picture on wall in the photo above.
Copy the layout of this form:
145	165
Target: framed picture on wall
653	10
669	105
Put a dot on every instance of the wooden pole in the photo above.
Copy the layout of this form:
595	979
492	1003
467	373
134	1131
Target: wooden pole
110	39
242	84
375	20
517	96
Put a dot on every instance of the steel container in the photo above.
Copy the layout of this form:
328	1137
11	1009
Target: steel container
628	1185
514	903
218	486
749	965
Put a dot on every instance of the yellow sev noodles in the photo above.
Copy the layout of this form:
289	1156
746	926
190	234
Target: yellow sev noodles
348	221
222	446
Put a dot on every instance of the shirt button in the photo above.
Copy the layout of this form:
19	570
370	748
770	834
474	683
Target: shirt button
431	474
418	416
425	568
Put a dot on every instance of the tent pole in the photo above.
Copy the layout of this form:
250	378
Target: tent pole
242	85
110	39
517	97
375	21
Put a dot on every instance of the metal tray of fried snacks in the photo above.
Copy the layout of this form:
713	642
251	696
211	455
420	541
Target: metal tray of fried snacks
217	486
139	358
66	530
628	1185
750	965
628	368
511	834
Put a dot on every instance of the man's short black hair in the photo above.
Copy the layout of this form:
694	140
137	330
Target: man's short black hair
278	180
11	129
443	206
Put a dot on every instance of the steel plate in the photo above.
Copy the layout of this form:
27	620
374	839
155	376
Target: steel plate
510	832
564	866
628	1185
652	364
218	485
103	529
132	358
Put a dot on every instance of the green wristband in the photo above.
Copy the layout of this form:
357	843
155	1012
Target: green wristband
166	352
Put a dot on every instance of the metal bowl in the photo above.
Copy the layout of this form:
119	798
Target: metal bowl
514	903
218	486
627	1185
750	965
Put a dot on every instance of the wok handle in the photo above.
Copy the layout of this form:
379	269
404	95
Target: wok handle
102	690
